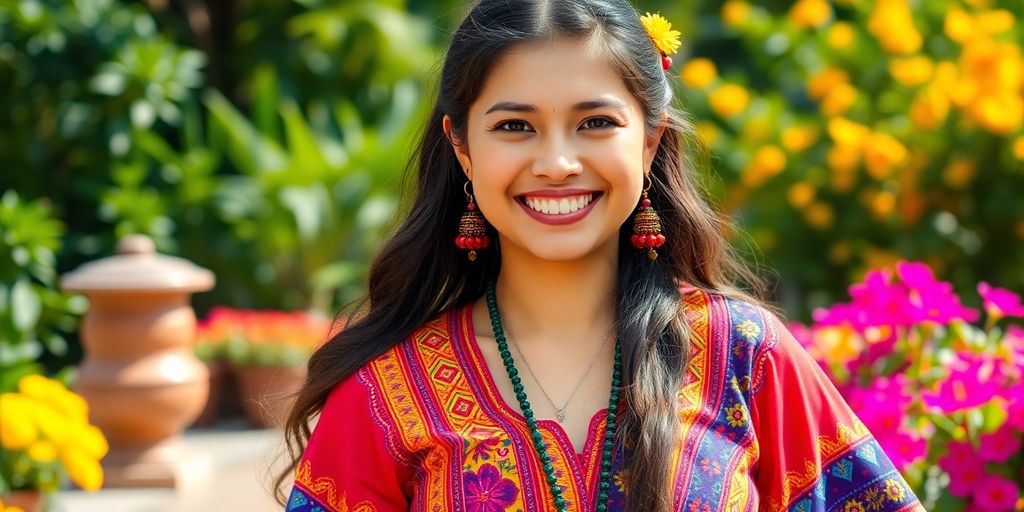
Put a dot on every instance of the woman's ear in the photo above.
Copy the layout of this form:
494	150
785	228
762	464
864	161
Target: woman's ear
461	149
652	141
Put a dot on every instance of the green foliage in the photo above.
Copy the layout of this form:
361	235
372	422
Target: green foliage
34	316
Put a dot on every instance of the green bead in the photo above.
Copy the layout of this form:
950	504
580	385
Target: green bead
528	414
611	417
552	479
549	468
536	436
605	474
560	502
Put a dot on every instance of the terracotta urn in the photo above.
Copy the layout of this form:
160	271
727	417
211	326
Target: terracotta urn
140	377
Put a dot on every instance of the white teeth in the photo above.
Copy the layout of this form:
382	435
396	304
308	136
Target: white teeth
559	206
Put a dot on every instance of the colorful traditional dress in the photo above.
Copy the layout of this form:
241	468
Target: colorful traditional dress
424	428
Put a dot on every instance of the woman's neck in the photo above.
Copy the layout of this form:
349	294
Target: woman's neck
568	300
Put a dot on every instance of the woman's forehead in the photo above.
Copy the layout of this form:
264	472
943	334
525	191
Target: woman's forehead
555	75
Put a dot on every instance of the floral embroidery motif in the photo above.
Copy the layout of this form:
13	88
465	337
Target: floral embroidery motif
737	415
749	330
854	506
894	490
487	491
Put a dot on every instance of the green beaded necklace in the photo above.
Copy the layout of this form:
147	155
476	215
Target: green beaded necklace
604	483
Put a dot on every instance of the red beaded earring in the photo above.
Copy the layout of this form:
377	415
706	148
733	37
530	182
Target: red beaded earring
472	229
647	226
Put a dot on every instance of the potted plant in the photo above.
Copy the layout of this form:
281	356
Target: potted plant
45	434
943	394
267	353
211	334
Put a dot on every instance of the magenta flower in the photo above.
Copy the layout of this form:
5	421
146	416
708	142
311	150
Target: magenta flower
996	494
972	381
965	479
1000	302
999	445
1015	408
487	491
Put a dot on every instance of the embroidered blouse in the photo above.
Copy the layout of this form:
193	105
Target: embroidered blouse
423	428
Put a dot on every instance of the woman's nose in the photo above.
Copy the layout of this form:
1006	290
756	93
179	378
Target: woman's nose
557	160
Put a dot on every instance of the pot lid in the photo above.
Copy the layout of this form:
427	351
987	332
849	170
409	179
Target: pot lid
138	267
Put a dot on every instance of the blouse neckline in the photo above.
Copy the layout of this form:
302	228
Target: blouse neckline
493	395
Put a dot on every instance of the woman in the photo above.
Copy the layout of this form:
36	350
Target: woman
580	346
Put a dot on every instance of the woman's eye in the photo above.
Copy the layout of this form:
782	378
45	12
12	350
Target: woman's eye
598	122
512	126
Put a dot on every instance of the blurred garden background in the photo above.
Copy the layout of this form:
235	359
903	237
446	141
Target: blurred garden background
266	140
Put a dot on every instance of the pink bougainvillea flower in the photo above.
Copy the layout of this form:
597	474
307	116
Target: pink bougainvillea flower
972	381
996	494
964	478
1014	396
958	454
999	445
883	405
930	299
1000	302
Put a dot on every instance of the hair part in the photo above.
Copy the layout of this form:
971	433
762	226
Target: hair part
419	273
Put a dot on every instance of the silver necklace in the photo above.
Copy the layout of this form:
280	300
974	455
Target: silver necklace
560	411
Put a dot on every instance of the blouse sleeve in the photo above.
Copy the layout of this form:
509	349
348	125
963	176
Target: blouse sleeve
346	465
815	455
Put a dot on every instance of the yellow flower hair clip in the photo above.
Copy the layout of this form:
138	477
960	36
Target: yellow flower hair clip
665	39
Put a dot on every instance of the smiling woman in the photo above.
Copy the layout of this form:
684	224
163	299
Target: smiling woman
598	355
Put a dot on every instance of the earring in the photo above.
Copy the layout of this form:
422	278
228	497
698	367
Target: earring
647	226
472	229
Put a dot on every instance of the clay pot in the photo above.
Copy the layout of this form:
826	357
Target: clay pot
268	393
30	500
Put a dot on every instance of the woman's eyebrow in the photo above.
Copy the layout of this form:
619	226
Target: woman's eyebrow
511	106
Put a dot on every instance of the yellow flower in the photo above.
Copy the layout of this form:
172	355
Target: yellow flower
810	13
42	451
839	100
893	24
930	109
841	35
819	85
847	133
1018	148
911	71
770	159
801	194
959	172
16	427
819	215
737	415
994	22
958	26
84	471
699	73
799	138
90	440
843	179
660	30
729	100
735	12
882	203
882	153
1000	114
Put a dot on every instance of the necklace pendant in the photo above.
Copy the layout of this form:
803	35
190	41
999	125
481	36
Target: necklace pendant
560	415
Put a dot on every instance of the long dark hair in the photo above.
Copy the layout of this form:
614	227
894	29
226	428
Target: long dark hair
419	273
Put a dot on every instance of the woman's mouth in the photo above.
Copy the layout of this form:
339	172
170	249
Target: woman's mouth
558	210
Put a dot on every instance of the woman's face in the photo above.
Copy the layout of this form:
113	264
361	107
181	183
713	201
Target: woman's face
556	149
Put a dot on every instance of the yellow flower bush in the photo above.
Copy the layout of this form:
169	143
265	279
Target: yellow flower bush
45	433
883	130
